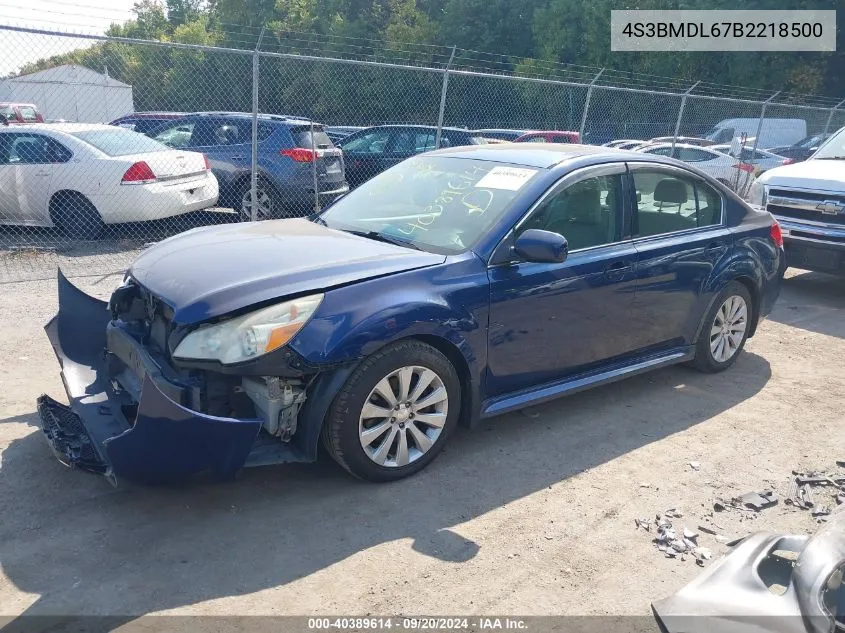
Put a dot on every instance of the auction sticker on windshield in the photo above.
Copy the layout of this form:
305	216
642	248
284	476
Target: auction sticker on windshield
510	178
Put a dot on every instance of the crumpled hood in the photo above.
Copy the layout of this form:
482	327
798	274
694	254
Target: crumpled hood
821	175
211	271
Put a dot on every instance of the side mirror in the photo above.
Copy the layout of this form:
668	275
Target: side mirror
536	245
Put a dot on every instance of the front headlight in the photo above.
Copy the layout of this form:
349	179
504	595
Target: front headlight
757	194
248	336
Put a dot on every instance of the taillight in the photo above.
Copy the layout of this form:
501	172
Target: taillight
207	164
776	234
138	174
787	161
744	167
299	154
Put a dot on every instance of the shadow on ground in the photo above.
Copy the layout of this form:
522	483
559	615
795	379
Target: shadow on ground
814	302
83	547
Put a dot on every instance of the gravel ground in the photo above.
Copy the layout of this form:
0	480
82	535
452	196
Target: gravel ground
533	513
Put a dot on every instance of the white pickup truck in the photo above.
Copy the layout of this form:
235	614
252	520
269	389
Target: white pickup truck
808	200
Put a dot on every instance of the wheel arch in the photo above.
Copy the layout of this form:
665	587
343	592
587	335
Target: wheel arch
459	362
66	193
748	283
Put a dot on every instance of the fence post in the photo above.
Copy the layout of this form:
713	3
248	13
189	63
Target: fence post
314	170
253	177
681	116
587	105
443	100
830	117
760	123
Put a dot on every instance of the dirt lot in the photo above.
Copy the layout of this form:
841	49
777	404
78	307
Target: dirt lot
530	514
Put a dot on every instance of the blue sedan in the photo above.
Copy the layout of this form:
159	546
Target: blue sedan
458	285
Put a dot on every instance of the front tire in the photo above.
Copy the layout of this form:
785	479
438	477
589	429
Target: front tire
725	330
395	412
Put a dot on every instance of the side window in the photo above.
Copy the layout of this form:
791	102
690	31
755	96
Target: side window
220	133
178	136
413	142
57	153
709	203
667	203
369	143
28	149
660	151
587	213
28	114
693	155
9	113
536	139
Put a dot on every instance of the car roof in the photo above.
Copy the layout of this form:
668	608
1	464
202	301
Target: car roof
413	126
542	155
281	118
537	132
68	128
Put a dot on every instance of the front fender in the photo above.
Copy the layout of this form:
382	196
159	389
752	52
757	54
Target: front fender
448	302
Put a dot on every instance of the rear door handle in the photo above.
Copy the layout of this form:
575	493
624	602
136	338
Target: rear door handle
42	173
616	271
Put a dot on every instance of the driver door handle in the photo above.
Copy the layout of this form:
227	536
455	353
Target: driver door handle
616	271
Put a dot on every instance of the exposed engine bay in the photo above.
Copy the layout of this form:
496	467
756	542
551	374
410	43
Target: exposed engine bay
140	316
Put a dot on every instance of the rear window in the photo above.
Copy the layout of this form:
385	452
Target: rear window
29	114
119	142
302	138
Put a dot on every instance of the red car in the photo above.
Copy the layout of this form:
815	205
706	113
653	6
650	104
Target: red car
21	113
549	136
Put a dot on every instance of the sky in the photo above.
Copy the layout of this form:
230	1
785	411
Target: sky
66	16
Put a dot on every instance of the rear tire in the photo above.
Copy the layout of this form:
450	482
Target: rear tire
269	203
76	216
421	407
726	328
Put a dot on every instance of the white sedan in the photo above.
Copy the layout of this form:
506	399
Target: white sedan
761	159
81	177
726	169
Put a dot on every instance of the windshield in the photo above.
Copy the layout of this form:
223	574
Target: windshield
834	147
120	142
435	203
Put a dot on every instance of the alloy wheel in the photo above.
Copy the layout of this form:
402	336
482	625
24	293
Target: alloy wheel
728	328
264	208
403	416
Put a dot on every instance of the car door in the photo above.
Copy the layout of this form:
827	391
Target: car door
552	320
25	178
363	153
680	236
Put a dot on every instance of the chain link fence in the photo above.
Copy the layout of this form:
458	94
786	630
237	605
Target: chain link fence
210	135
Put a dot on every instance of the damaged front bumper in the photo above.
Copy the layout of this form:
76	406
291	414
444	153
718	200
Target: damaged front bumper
129	418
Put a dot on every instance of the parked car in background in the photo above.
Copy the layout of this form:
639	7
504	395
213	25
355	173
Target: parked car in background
549	136
458	285
339	132
808	199
728	170
760	158
772	131
82	177
146	122
374	149
803	149
686	140
21	113
286	160
632	144
501	134
620	141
